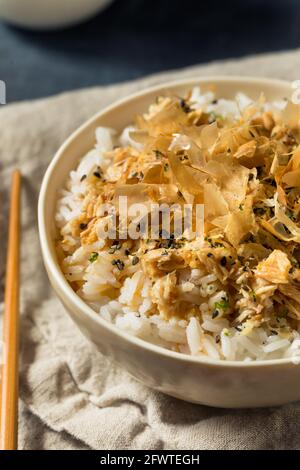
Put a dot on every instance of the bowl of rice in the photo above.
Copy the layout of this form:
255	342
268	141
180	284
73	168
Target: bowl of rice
169	226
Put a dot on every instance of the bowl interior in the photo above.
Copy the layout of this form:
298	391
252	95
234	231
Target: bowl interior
118	116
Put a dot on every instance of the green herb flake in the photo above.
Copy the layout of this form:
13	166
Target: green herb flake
222	305
158	153
93	257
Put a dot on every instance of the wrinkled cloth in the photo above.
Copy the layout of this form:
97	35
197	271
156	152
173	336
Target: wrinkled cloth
71	397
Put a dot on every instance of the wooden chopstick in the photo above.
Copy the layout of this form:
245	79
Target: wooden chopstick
10	367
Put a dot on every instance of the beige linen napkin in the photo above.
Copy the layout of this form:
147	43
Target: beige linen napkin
71	396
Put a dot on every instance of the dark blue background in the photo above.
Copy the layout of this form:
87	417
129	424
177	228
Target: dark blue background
137	37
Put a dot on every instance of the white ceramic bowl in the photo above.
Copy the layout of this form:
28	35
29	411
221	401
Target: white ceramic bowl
48	14
209	382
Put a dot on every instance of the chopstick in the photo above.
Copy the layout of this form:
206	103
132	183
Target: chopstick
10	367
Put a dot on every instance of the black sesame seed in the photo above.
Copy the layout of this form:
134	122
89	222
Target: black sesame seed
117	262
97	174
135	260
120	265
184	106
223	261
83	226
158	153
83	178
215	313
246	288
259	171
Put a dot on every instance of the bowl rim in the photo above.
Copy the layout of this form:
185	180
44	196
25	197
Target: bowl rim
53	265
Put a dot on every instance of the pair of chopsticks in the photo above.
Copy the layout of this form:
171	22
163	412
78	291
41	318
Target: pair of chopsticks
9	385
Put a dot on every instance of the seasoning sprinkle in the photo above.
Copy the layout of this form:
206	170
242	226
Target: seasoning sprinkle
158	153
93	256
135	260
118	263
222	305
184	106
223	261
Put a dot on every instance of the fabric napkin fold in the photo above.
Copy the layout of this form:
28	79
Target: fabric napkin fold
71	396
